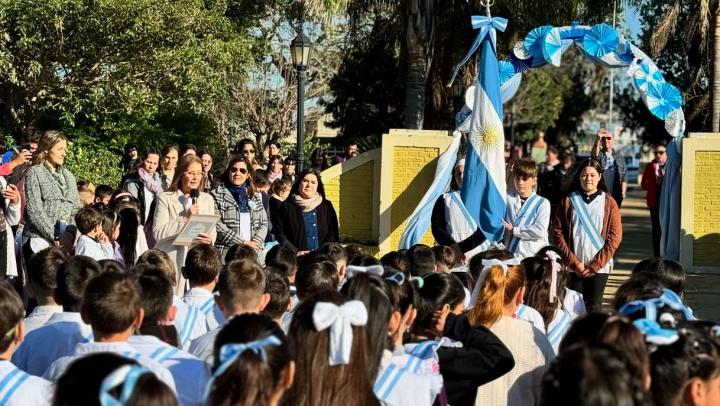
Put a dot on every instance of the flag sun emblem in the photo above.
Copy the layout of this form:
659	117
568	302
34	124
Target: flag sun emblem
488	135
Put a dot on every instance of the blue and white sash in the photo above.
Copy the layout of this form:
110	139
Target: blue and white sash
207	307
164	353
387	380
583	215
558	330
527	213
458	207
188	325
10	384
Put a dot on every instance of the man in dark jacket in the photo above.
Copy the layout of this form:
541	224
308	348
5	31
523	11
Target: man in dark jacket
613	163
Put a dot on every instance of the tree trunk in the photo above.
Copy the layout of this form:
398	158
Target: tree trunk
716	73
419	43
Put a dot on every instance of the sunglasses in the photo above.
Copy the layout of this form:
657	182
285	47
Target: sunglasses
659	152
236	170
248	151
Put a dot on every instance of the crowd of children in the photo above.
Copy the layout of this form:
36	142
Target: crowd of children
337	326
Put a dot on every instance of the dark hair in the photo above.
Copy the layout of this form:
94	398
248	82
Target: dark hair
241	285
438	289
422	260
167	148
444	255
250	379
283	258
111	220
583	330
43	267
475	265
202	264
260	178
590	375
319	152
279	290
127	240
696	354
316	277
188	147
592	163
161	260
73	277
12	312
670	274
281	185
289	160
235	159
538	280
111	303
103	191
156	293
397	260
376	295
627	340
365	260
111	265
87	218
303	174
355	250
271	159
335	251
524	168
240	251
348	384
637	287
241	145
80	383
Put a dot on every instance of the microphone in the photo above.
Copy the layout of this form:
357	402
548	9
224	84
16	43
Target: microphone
194	194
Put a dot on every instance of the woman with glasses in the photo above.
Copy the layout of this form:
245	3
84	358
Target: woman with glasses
242	216
175	207
246	148
587	229
652	179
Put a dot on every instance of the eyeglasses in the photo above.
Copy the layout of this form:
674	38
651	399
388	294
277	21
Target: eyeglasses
248	151
659	152
198	174
236	170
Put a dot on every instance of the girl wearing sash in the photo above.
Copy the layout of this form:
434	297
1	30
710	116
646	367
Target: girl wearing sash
587	229
527	216
451	224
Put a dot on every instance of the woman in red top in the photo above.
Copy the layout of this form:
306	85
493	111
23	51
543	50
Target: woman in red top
651	183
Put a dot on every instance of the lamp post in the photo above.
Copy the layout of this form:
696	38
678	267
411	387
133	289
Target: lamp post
300	50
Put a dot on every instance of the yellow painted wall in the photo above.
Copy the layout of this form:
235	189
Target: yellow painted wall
413	172
352	193
706	201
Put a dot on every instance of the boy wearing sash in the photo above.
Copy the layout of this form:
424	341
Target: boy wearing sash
527	215
17	388
202	267
190	373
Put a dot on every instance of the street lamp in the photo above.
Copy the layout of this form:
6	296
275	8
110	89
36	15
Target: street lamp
300	50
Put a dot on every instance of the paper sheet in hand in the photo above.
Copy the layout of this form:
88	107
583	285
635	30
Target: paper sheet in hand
198	224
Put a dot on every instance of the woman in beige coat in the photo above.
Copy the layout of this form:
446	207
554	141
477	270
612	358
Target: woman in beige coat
175	207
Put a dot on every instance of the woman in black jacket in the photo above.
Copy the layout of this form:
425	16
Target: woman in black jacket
306	219
481	358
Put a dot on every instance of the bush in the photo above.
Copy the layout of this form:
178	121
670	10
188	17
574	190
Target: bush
91	160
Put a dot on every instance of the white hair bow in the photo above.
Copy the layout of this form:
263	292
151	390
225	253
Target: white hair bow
352	270
340	319
555	266
487	264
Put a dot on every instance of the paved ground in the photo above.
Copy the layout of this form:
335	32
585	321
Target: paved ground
703	291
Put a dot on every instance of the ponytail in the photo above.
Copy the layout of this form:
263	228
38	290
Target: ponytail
499	288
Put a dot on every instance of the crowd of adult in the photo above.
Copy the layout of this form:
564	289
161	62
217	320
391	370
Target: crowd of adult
267	307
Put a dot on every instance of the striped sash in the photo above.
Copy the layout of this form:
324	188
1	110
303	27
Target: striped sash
527	213
188	325
207	307
557	332
10	384
164	353
387	381
591	229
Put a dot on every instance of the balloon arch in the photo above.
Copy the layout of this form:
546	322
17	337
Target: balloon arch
602	45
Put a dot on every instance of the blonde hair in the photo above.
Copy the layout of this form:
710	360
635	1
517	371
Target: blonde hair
47	141
498	289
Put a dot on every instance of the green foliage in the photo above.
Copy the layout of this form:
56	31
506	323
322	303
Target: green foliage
88	160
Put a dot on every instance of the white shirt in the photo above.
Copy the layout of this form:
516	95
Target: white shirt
530	229
396	386
57	338
288	315
190	373
574	303
189	322
202	347
39	316
12	218
18	388
120	348
582	244
532	353
204	301
93	249
532	316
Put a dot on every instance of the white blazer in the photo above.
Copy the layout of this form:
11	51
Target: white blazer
169	220
12	218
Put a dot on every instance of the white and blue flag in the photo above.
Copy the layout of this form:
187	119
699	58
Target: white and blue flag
484	190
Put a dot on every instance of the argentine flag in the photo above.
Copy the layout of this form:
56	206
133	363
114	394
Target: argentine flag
484	190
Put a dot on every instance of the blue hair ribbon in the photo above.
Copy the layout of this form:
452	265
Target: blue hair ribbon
127	376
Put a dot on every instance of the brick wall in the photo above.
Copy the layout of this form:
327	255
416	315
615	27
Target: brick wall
352	195
413	172
706	200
